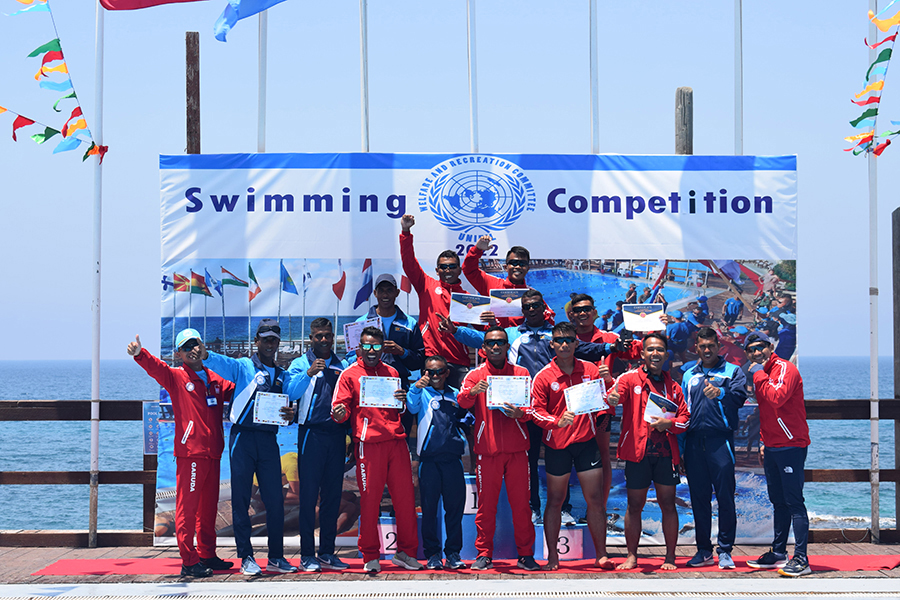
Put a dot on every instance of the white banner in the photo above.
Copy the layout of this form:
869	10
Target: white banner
559	206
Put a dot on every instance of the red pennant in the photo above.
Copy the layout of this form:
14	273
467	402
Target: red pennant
75	113
881	147
52	56
889	38
19	123
869	100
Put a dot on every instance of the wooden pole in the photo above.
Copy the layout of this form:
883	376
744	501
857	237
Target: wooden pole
684	120
192	95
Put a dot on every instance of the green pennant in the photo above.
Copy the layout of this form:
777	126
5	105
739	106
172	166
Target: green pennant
71	95
88	153
48	133
52	45
872	112
884	56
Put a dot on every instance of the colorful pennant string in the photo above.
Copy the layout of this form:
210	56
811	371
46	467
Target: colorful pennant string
884	24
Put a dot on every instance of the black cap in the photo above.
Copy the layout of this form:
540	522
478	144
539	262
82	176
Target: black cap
268	328
755	338
385	277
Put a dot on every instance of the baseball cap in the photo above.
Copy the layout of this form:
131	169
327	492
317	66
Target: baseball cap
676	314
185	336
755	338
385	277
268	328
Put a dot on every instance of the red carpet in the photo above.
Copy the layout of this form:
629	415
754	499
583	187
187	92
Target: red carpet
169	566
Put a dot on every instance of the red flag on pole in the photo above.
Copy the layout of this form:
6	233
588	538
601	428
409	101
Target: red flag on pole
339	286
405	285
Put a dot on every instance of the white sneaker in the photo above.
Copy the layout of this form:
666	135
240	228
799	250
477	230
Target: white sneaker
249	566
567	518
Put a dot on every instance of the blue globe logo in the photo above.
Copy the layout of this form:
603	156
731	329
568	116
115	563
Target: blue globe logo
477	199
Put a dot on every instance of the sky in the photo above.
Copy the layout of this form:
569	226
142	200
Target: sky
802	62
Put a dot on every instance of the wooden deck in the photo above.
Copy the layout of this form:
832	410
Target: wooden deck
17	564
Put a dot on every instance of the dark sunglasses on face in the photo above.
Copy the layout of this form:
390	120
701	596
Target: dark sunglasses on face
581	309
493	343
448	266
323	336
533	306
564	340
517	263
189	345
367	347
755	349
436	372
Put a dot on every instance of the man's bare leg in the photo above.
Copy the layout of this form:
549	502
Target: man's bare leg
591	486
665	495
557	486
636	500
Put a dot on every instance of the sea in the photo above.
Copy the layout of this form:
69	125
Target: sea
65	446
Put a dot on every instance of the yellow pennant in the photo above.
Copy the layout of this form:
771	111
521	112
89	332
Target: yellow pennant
882	24
872	87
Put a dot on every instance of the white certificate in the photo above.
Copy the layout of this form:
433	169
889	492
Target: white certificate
643	317
352	331
267	408
587	397
660	407
509	389
507	303
467	308
378	392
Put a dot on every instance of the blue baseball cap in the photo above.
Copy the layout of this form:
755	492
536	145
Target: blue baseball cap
676	313
185	336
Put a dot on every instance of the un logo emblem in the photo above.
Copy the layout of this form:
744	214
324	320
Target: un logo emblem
477	194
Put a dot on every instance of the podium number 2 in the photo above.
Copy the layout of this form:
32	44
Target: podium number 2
390	540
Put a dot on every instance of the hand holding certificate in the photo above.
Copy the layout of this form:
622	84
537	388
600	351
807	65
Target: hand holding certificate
467	308
267	408
659	407
587	397
643	317
514	390
378	392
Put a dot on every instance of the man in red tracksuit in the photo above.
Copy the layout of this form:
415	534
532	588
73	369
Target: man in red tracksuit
501	446
582	313
650	448
198	401
570	441
517	266
382	455
434	302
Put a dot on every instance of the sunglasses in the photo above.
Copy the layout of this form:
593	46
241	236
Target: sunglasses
494	343
564	340
533	306
755	349
189	345
436	372
323	336
581	309
448	267
517	263
367	347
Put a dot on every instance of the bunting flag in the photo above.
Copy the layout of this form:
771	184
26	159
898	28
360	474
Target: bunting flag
57	86
867	114
884	24
51	46
198	284
889	38
254	285
66	97
66	144
182	283
95	150
869	100
883	56
873	87
48	133
40	6
70	126
287	284
229	278
236	10
137	4
19	123
881	147
365	289
338	288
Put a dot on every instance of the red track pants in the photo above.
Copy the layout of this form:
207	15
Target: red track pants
491	472
196	504
378	464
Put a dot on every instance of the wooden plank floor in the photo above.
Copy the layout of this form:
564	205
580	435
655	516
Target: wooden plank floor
17	564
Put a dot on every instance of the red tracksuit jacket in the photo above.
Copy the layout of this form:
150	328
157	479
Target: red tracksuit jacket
198	426
634	389
548	403
434	299
494	431
782	411
367	424
608	337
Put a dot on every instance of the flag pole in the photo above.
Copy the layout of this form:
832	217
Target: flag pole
190	297
280	289
249	317
95	320
263	71
473	75
303	316
224	340
364	74
739	79
204	316
595	82
174	315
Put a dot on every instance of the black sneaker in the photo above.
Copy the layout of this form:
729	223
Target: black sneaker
216	564
528	563
482	563
769	560
796	567
197	570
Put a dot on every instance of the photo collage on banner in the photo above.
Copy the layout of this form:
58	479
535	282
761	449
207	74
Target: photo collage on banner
294	237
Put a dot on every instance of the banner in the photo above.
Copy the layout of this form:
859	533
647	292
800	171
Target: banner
711	237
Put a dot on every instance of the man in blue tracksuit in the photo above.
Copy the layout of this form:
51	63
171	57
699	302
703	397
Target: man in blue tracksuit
253	447
714	390
321	446
440	444
732	310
